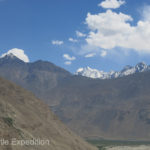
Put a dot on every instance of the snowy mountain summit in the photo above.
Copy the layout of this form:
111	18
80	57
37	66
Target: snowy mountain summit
127	70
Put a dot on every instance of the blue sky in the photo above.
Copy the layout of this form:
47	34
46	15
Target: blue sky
102	34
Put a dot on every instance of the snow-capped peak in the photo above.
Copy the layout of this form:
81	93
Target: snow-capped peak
10	55
89	72
80	70
127	70
15	52
93	73
141	67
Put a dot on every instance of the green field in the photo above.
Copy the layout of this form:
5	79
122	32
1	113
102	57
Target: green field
102	144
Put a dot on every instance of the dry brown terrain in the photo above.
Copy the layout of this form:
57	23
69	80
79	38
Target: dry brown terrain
24	117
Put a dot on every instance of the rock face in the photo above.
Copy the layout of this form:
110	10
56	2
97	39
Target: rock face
127	70
117	108
24	117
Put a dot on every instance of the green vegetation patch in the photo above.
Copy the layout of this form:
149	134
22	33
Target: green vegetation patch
101	147
9	121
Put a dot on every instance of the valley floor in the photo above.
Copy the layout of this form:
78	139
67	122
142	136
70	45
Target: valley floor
120	145
142	147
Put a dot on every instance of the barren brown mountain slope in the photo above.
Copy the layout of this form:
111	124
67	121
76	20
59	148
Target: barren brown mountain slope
24	117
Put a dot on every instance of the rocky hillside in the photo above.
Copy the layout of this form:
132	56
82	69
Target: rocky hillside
24	117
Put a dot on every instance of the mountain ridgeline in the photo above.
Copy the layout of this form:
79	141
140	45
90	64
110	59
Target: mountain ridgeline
127	70
117	108
39	77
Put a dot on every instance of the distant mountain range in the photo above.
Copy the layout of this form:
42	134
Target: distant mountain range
118	108
127	70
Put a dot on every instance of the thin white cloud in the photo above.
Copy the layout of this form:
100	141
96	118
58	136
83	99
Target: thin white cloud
103	53
72	40
111	4
68	63
80	34
19	53
90	55
109	30
146	13
68	57
57	42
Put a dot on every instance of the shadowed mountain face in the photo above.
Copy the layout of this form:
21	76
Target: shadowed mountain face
112	109
39	77
24	117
